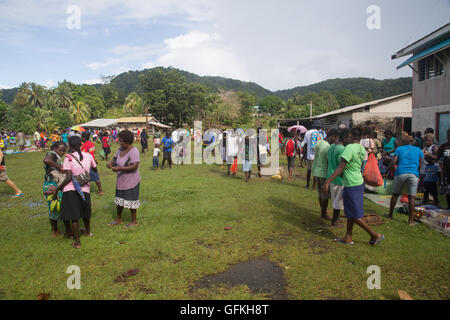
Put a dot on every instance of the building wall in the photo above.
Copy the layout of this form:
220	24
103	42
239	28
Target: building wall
426	117
433	91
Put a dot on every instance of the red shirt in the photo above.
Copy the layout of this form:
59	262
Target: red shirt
290	147
105	142
280	138
89	147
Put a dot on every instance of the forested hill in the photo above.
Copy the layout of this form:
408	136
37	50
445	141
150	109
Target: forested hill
362	87
365	88
128	82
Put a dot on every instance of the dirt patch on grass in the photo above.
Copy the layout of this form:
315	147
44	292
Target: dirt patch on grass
281	238
317	247
259	275
373	220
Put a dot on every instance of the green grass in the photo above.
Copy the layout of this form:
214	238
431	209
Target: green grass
181	238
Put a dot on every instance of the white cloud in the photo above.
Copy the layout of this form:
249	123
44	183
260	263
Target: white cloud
101	65
5	87
92	81
50	83
204	54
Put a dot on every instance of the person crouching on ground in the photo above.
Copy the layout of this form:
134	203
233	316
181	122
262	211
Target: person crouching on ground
409	160
76	200
125	164
350	169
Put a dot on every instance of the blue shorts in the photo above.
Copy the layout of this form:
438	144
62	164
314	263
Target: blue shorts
354	202
94	176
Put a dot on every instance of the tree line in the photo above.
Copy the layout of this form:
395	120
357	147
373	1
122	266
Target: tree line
171	95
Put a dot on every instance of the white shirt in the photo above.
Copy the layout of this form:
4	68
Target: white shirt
311	138
156	152
232	146
175	136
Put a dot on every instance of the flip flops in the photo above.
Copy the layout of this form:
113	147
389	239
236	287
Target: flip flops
129	225
339	240
374	243
18	195
114	223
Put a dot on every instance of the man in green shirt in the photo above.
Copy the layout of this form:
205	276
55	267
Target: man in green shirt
319	170
350	168
335	137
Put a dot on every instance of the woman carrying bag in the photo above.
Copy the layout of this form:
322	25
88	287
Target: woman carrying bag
76	200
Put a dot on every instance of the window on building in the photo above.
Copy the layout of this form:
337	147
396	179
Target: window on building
430	67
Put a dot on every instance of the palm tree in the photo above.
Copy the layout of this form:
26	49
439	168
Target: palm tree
21	98
63	96
134	104
36	96
80	112
40	118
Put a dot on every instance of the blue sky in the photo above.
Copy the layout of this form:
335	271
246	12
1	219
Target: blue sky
277	44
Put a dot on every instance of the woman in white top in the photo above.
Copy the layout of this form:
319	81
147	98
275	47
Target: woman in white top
231	148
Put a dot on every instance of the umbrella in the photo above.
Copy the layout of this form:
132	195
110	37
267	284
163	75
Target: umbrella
78	128
302	129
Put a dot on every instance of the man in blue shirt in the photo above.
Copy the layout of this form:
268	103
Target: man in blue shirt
409	160
168	143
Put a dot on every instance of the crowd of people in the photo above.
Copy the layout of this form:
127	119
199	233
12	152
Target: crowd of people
335	160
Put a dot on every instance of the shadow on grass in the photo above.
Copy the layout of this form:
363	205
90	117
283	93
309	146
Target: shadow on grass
301	218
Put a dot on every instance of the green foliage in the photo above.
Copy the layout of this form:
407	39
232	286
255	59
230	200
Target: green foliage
134	105
271	104
3	110
170	98
361	87
90	96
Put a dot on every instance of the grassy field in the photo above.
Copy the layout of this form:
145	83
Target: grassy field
181	239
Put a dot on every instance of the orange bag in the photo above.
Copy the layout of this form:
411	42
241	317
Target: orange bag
234	167
372	175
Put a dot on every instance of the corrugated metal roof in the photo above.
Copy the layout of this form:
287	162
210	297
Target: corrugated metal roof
99	123
360	106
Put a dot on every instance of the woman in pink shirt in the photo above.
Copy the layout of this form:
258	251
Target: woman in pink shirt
125	164
76	200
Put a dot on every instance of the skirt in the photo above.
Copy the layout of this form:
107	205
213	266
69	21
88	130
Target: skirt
128	198
73	208
354	202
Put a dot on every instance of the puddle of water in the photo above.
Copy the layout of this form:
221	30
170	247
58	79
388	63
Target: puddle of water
260	276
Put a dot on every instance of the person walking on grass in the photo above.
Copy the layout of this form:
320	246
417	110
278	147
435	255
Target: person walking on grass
156	152
125	164
105	144
336	137
168	143
353	197
408	160
319	172
76	200
89	147
312	137
144	140
290	155
249	155
232	149
4	177
53	163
